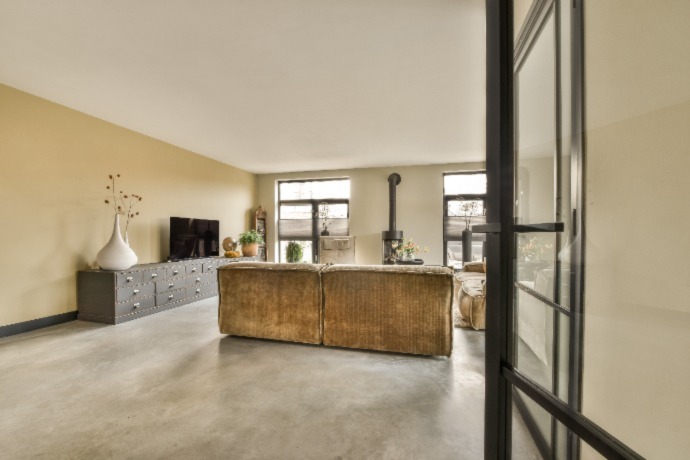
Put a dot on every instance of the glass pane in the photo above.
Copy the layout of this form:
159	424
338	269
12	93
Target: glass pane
636	333
541	343
454	252
315	190
307	254
333	211
535	126
535	261
536	434
301	211
520	10
466	208
468	184
541	329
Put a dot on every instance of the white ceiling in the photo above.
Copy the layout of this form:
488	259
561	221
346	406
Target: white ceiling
265	85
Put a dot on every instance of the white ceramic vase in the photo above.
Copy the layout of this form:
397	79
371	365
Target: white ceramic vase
116	254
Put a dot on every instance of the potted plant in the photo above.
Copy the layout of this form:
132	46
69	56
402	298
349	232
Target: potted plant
250	241
467	209
323	215
294	252
406	250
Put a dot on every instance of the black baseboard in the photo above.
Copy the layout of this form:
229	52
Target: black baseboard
39	323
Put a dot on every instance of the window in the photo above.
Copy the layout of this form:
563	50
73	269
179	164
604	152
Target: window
306	208
464	201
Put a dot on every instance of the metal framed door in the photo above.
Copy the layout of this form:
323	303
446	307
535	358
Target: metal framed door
535	216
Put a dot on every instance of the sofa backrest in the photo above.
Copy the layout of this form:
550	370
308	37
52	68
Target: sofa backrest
271	301
404	309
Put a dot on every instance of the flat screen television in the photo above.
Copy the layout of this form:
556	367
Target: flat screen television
193	238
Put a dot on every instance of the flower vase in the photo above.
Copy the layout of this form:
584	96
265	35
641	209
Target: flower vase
116	254
407	256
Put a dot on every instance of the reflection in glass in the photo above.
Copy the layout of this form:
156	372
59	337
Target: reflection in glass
548	437
535	136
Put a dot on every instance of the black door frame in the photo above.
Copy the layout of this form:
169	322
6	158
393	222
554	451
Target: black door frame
501	377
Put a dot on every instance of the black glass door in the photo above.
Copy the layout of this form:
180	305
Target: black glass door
535	225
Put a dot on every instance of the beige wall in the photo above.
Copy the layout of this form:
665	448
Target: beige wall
420	206
637	291
55	164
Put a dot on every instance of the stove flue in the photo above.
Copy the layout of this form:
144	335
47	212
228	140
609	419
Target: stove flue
392	234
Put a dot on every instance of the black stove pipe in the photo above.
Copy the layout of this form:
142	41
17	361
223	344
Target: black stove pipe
392	233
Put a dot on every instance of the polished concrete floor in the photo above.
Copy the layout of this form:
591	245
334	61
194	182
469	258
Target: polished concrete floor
171	386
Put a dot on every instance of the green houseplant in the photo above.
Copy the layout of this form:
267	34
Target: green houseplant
250	241
294	252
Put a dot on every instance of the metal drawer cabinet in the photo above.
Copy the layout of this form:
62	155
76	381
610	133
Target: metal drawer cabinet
193	269
134	306
176	271
113	297
170	285
170	297
130	292
129	278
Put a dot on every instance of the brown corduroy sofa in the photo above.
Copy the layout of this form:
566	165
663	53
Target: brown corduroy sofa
404	309
470	296
270	301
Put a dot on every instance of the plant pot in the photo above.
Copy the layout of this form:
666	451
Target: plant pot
250	250
116	254
407	256
466	246
325	233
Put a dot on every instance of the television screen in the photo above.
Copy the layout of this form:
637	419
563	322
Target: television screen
191	238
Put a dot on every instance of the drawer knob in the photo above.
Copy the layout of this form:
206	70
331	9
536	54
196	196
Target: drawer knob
136	291
130	278
154	275
176	272
193	269
136	305
198	290
170	296
198	280
171	285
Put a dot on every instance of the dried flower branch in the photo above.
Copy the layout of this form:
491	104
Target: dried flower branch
123	204
468	209
323	214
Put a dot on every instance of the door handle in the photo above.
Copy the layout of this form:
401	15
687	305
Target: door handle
548	227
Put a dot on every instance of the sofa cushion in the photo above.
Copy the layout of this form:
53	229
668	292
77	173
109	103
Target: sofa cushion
404	309
473	303
474	267
469	305
270	301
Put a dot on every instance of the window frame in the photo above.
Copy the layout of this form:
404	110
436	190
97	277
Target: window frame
465	197
314	203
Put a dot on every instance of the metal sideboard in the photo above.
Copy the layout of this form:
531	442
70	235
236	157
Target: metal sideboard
113	297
